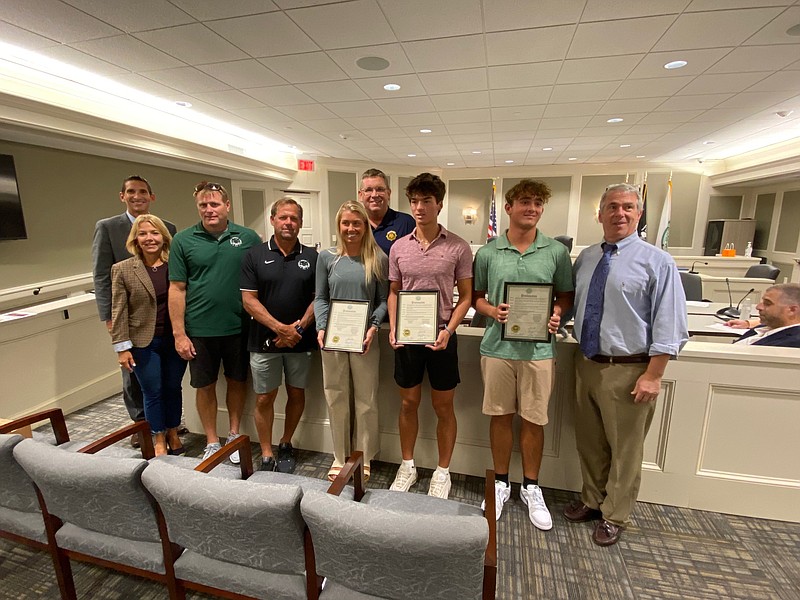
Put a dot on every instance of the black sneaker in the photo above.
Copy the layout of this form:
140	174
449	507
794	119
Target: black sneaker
286	461
267	464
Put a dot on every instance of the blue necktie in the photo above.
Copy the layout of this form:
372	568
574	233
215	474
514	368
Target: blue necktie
593	312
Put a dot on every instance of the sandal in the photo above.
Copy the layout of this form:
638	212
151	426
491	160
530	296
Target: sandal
366	473
333	473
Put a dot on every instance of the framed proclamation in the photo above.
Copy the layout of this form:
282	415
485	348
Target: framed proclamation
529	308
417	317
347	325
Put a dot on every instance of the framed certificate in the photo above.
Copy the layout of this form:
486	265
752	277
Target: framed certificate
529	308
347	325
417	317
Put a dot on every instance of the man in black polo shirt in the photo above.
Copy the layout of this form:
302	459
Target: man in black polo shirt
277	283
387	224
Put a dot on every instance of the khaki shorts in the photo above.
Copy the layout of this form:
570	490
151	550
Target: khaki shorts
517	386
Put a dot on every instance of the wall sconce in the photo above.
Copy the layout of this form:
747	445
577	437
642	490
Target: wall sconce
470	216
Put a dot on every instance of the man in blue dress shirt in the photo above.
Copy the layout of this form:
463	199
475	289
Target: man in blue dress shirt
387	224
630	321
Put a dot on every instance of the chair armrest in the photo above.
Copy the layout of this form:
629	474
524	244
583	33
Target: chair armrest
140	427
242	444
490	559
352	469
54	415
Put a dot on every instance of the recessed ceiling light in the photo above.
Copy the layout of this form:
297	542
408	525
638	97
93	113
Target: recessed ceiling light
476	151
183	104
410	155
709	142
640	156
425	130
508	162
546	148
391	87
793	30
784	113
624	145
676	64
372	63
615	120
572	158
451	164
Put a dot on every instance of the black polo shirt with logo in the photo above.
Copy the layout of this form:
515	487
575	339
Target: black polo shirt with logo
285	286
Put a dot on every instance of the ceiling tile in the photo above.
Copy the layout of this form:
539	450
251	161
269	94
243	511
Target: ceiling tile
528	45
360	108
462	52
608	68
337	25
328	125
242	73
465	116
333	91
384	134
680	116
513	14
463	80
649	88
602	10
562	122
520	96
723	82
754	100
443	18
264	35
573	109
193	44
652	65
228	99
264	115
187	79
779	82
82	60
516	126
11	34
279	95
371	122
714	29
651	129
513	76
143	85
305	68
393	53
462	101
635	105
757	58
403	106
419	120
134	16
410	85
203	10
128	52
512	113
305	112
468	127
56	20
775	31
610	38
584	91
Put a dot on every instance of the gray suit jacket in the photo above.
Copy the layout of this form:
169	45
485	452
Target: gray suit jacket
108	248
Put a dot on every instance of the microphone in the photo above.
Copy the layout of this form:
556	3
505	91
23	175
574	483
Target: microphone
728	312
694	263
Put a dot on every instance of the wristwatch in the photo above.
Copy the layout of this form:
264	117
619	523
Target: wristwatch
299	329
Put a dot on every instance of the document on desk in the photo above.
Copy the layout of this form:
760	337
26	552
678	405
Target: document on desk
698	304
725	328
13	316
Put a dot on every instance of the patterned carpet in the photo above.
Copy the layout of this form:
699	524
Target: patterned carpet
668	553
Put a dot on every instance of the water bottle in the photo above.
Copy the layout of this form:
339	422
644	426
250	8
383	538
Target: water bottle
748	252
746	308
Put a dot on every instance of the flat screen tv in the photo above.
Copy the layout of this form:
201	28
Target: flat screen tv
12	222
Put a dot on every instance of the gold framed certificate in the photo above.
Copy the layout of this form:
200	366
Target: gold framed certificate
529	308
417	319
347	325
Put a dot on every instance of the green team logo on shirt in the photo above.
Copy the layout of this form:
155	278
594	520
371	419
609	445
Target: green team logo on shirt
236	241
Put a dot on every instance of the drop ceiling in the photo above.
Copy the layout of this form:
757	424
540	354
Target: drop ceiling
495	81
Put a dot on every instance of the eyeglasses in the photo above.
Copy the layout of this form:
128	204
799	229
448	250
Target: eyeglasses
205	185
377	190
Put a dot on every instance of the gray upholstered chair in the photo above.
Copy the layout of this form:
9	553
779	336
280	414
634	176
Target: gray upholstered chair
765	271
96	510
692	286
402	546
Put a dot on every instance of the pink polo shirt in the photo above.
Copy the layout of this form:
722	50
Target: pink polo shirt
447	260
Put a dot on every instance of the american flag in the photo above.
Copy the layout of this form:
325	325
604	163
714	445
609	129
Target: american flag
492	230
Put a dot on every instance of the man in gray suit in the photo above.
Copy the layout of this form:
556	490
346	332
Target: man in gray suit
108	248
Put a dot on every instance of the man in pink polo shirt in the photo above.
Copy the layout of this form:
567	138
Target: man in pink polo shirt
429	258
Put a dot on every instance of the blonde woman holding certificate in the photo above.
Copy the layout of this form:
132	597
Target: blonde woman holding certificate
356	269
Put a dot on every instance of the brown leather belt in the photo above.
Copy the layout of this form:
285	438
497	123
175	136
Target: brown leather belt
635	358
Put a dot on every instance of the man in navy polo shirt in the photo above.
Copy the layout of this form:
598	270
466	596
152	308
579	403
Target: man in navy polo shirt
387	224
277	284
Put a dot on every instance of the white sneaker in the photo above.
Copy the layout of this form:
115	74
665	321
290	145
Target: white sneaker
537	509
440	484
405	478
210	449
234	458
502	493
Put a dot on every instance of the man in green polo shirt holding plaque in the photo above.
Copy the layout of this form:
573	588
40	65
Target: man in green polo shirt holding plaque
518	371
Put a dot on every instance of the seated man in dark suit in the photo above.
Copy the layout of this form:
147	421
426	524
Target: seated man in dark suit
779	310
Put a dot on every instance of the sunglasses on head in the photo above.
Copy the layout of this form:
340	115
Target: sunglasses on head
205	185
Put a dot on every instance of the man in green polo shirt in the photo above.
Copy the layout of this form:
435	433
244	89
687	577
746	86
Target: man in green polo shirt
205	307
518	375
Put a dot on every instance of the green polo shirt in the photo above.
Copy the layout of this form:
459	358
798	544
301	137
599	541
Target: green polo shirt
545	261
210	267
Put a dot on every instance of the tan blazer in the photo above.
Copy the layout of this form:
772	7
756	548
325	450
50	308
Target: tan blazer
133	303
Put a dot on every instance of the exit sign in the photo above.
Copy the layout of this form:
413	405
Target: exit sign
305	165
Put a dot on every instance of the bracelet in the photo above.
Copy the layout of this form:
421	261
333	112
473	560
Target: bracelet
447	329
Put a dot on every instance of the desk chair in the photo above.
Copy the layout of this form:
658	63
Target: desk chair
692	286
763	272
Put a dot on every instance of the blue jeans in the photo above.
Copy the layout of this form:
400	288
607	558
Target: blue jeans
160	371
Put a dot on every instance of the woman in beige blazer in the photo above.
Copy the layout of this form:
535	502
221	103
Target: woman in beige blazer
141	331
